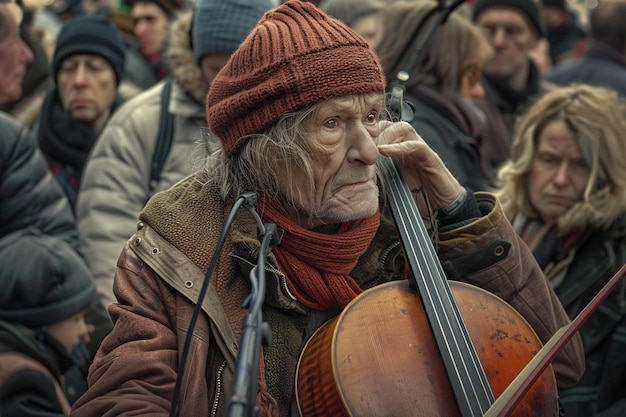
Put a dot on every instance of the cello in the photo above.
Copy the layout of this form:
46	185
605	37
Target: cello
434	348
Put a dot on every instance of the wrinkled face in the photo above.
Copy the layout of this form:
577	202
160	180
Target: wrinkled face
14	57
558	174
70	331
87	87
511	35
210	65
342	136
151	27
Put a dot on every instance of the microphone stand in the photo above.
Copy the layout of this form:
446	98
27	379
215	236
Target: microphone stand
255	333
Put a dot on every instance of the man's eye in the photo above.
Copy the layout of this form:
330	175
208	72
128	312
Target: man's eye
330	123
67	67
372	118
513	32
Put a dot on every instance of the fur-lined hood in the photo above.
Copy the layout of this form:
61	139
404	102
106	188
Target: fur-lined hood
180	58
605	206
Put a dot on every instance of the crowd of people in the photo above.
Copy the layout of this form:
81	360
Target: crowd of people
169	167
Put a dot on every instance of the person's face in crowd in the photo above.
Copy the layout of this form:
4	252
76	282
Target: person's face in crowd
210	65
511	35
341	135
87	87
151	27
15	56
370	27
558	173
71	331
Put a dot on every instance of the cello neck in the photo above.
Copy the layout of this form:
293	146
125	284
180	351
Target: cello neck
465	372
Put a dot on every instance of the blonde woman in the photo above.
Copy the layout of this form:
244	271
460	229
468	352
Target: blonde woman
564	190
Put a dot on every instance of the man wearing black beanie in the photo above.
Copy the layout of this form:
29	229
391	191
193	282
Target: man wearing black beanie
511	79
87	68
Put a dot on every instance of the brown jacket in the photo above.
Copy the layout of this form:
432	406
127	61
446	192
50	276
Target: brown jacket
135	369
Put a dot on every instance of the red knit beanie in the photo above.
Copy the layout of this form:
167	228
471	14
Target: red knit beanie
295	57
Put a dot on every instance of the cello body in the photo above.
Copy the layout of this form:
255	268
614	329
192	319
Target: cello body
379	358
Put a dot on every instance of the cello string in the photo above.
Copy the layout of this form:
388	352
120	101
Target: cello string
454	333
460	357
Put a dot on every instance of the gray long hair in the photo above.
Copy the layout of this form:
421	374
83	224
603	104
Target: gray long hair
254	168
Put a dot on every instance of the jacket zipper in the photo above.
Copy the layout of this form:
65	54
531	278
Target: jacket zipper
218	388
281	276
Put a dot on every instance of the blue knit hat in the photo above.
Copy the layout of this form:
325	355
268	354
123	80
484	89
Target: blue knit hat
44	280
219	26
90	34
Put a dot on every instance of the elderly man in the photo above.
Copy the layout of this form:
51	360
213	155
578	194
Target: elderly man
511	78
298	110
14	54
86	70
29	195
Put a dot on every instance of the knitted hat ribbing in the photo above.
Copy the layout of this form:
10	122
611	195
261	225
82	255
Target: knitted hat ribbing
295	57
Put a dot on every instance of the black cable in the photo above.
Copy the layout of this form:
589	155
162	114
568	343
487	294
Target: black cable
248	199
443	11
411	53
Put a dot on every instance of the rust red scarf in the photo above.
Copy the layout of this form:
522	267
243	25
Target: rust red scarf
318	265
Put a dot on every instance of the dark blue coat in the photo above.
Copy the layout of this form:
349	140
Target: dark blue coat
29	194
600	66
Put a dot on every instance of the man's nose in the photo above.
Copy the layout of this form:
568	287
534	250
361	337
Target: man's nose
26	56
80	76
363	147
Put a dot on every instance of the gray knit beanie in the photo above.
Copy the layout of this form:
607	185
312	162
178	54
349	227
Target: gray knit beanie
44	280
349	11
219	26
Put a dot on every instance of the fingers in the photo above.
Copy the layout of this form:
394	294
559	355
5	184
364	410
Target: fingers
420	165
396	132
400	140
